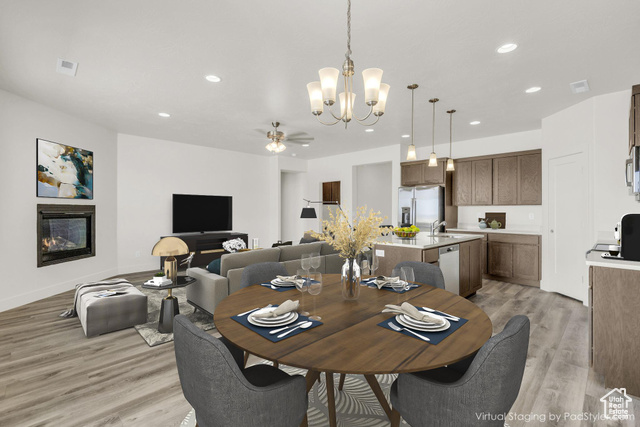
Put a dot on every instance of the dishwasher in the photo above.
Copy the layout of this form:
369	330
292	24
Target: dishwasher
449	261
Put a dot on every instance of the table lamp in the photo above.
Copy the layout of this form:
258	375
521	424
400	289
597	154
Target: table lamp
169	247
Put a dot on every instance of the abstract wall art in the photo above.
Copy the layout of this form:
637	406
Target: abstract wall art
64	171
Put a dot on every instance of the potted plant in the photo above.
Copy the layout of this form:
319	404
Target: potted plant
158	278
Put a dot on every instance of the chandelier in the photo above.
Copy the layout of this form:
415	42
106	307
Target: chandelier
323	92
276	137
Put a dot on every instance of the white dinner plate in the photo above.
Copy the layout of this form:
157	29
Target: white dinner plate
401	318
278	282
270	323
411	320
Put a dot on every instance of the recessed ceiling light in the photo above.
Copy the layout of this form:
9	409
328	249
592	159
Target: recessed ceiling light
406	136
475	122
369	130
533	89
164	114
293	154
212	78
506	48
305	145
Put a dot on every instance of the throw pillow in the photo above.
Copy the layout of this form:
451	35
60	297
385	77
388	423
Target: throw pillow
214	266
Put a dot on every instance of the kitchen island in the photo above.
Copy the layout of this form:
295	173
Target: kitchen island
458	255
614	336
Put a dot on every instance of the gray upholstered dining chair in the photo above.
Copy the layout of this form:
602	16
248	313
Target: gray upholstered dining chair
223	394
426	273
261	273
457	394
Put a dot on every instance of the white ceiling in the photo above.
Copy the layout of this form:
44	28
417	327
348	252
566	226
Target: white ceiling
139	58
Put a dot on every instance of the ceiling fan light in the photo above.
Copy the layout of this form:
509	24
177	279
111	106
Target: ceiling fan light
411	153
378	109
349	108
450	166
433	160
315	98
328	83
372	78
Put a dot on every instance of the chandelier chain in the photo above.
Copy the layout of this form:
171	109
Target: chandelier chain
433	129
348	54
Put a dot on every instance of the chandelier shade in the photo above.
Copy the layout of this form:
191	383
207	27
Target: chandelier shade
328	83
378	109
315	97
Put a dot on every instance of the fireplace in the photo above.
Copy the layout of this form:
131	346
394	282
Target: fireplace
65	233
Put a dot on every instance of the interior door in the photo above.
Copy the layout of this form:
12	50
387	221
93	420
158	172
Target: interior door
568	209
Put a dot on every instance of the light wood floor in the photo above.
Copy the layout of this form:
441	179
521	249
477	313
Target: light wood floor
51	375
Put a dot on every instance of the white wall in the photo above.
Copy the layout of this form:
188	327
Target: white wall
373	188
151	170
22	122
518	217
343	168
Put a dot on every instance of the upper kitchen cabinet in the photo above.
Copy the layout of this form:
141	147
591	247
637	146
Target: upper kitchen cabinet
505	180
419	173
634	118
481	182
502	179
462	184
530	179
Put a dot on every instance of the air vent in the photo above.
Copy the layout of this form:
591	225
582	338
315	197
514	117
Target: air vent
67	67
579	87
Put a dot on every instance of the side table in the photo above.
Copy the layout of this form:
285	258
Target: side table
169	306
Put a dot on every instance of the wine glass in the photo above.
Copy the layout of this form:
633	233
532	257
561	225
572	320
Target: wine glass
407	275
302	286
305	263
375	263
315	261
315	287
397	286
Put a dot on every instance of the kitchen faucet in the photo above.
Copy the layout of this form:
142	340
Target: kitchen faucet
435	225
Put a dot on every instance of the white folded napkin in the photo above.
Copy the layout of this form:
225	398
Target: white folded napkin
292	279
409	310
385	281
284	308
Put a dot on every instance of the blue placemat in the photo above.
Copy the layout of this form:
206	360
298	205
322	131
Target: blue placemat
434	337
264	332
369	283
282	289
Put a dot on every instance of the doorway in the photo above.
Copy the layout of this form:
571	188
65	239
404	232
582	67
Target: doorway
568	225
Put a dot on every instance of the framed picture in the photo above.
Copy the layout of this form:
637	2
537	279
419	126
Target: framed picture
63	171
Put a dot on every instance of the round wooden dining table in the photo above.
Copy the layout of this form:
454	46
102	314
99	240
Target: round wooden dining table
350	341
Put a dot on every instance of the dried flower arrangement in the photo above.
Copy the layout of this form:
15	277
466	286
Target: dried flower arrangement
350	240
234	245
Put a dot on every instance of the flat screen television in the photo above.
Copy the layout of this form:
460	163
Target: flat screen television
196	213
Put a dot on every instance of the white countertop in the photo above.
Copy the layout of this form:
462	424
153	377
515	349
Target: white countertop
491	230
595	259
425	241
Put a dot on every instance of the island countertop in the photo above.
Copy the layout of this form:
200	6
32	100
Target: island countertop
424	240
594	258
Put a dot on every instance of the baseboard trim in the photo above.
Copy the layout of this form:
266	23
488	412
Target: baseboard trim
48	291
526	282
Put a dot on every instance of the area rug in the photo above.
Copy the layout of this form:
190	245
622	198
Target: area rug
356	405
149	331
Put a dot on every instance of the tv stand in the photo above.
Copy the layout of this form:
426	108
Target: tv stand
207	246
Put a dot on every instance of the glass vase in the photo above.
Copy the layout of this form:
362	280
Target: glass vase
350	279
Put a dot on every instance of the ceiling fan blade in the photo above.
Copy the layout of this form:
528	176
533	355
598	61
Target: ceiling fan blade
300	139
297	134
297	141
261	132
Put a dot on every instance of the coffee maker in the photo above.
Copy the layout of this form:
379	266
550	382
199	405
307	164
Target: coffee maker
630	237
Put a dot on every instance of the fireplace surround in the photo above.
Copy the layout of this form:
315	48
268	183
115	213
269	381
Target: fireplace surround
65	233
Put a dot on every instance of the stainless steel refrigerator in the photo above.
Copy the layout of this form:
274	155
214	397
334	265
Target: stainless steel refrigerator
420	206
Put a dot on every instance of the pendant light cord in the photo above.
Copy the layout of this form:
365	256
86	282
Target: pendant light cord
412	90
450	132
433	130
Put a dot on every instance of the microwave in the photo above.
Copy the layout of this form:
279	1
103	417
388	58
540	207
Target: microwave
632	172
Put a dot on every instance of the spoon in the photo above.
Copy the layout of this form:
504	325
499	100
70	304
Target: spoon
286	327
303	326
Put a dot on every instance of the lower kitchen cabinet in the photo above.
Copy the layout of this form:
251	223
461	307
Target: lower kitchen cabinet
500	259
525	262
514	258
470	267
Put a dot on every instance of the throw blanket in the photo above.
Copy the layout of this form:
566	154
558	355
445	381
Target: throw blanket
83	288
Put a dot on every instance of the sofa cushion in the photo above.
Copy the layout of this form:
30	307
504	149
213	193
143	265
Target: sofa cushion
327	249
289	253
214	266
242	259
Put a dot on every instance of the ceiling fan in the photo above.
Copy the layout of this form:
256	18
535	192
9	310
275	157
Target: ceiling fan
278	137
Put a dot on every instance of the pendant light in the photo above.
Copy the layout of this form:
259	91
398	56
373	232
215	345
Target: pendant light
433	159
450	166
411	153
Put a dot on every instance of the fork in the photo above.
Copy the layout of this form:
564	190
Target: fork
399	329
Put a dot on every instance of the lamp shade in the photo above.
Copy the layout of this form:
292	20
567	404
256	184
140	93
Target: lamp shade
450	166
315	97
329	82
170	246
378	109
372	78
308	212
433	160
411	152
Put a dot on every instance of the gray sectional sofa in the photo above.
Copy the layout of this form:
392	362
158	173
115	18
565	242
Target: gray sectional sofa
209	288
